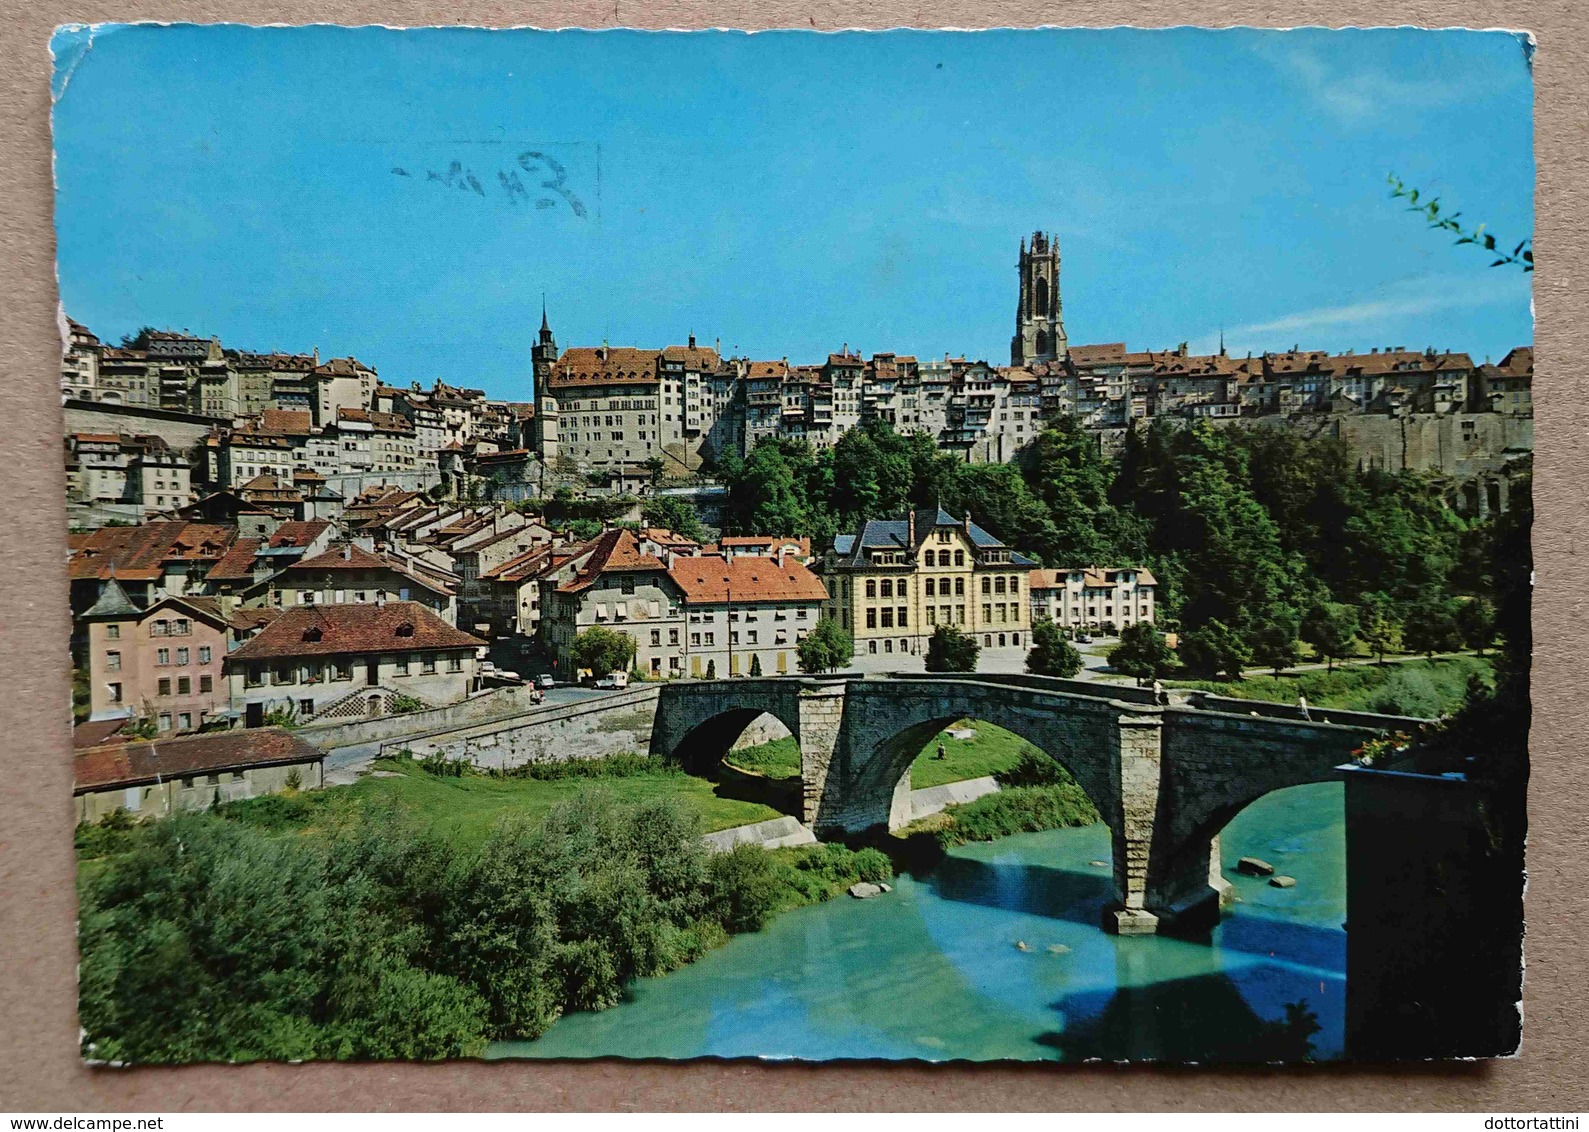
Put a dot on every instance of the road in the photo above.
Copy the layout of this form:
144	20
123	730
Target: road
344	764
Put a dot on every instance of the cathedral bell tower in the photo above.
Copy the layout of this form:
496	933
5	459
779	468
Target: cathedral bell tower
543	356
1039	320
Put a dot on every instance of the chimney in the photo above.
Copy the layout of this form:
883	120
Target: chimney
692	341
910	527
347	552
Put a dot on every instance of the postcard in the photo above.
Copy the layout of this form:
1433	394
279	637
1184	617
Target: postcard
910	545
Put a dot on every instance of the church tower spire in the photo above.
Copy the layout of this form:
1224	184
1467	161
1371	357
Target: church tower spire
1039	318
543	358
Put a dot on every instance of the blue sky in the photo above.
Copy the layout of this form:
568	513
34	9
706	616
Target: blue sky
785	192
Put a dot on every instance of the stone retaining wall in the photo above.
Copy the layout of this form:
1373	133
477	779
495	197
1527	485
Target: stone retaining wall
588	729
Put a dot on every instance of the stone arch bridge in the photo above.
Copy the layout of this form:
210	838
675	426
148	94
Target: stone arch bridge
1165	778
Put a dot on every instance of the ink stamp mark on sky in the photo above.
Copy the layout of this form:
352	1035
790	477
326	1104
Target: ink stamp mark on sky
534	178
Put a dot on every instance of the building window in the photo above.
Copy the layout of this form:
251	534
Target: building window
343	666
160	629
960	558
402	666
427	664
184	686
306	709
871	618
165	721
182	627
204	654
184	721
206	683
113	662
163	688
113	632
182	656
902	617
455	664
115	693
656	638
871	587
960	587
253	676
673	636
162	656
987	586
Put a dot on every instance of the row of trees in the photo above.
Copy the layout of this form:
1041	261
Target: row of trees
1261	540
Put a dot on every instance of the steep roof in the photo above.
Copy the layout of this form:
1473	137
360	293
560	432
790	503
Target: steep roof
128	764
112	602
610	552
748	579
351	556
324	630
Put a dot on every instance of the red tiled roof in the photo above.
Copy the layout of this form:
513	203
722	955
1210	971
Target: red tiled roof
237	564
128	764
750	578
286	422
610	552
351	556
321	630
139	553
604	365
95	731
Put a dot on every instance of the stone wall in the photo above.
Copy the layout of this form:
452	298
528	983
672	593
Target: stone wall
478	709
180	430
587	729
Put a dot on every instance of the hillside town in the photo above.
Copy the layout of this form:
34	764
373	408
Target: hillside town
261	539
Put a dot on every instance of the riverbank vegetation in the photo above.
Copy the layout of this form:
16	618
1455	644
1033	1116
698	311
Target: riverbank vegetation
1426	689
1035	794
1258	537
221	936
465	804
971	749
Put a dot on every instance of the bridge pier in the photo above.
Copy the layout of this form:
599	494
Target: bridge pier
1139	742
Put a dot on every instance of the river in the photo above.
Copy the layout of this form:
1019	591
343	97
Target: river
933	970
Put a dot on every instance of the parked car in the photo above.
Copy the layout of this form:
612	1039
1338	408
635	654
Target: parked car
614	680
546	680
1084	639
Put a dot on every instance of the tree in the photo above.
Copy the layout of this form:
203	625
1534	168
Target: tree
1142	652
1215	648
1052	654
950	650
1329	627
603	650
674	514
1521	256
755	664
826	648
1476	623
1376	624
1431	627
1274	643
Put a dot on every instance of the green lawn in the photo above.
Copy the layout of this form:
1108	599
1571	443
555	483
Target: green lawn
466	809
1424	688
989	751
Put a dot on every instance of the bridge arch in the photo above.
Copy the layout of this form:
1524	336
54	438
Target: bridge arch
697	724
887	724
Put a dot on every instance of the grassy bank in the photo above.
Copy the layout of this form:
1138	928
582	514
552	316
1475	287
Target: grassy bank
466	808
1035	793
988	750
1424	688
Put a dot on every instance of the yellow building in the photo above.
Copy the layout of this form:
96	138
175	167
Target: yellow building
895	580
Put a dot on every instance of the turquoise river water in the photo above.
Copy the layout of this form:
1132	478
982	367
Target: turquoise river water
933	970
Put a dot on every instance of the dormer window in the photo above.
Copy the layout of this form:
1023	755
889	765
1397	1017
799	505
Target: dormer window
312	634
406	629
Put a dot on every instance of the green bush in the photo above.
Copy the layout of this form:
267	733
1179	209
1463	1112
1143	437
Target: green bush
1410	691
108	835
1020	809
622	765
746	890
1034	768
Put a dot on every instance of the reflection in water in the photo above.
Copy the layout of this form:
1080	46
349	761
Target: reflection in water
933	971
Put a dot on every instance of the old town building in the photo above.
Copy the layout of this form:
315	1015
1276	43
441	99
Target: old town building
895	580
149	780
350	661
1088	597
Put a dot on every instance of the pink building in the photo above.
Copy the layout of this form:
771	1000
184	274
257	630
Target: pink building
162	663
